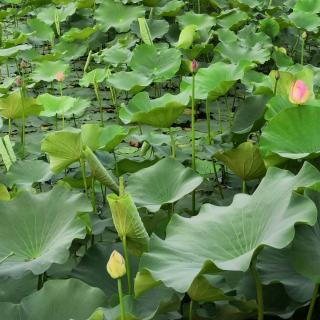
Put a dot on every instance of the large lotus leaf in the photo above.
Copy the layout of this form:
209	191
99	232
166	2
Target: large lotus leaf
42	235
228	237
245	161
248	46
40	30
165	182
275	105
27	172
92	267
305	20
96	75
14	106
160	64
292	133
232	18
275	266
157	28
312	6
117	15
115	55
105	138
59	299
214	81
76	34
128	223
160	112
47	70
129	81
49	14
70	50
63	148
53	105
170	8
249	115
9	52
186	37
204	22
158	301
305	252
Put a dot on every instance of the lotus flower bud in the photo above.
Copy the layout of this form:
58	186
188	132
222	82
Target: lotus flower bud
60	76
304	35
277	75
282	50
18	82
116	265
299	92
194	65
23	64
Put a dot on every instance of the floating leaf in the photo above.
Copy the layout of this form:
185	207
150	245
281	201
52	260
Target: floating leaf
47	70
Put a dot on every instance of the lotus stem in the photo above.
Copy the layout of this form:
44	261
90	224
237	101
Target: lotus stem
60	91
303	40
122	309
217	179
173	143
259	290
115	163
93	195
313	301
208	122
9	127
87	62
244	186
193	137
199	6
23	129
190	310
83	172
96	90
126	258
270	3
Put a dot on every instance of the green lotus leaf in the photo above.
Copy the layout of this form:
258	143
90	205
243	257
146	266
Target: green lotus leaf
214	81
43	234
9	52
53	105
14	107
281	58
76	34
186	37
48	14
249	115
47	70
305	20
292	133
115	55
312	6
160	112
27	172
158	301
70	50
228	237
157	28
117	15
158	63
63	147
204	22
4	193
65	295
92	267
40	30
270	26
232	18
170	8
167	181
128	223
129	81
275	105
305	253
249	46
245	161
276	266
96	75
105	138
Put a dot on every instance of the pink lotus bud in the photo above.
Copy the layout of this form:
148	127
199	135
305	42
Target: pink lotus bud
60	76
299	92
194	66
18	82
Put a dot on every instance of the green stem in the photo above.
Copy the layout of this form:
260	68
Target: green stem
93	195
23	129
302	51
173	143
60	90
190	310
121	299
115	163
244	186
199	6
9	127
270	3
96	90
83	172
217	179
193	138
313	301
208	122
259	291
275	87
126	257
